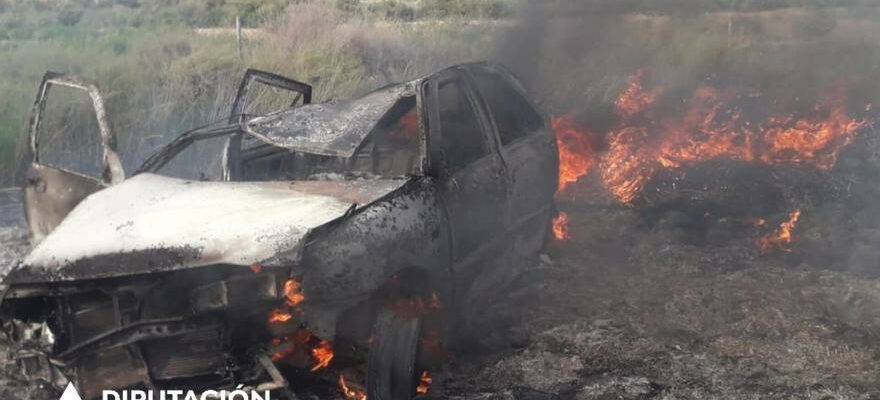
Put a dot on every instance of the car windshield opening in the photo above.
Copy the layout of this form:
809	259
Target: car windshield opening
390	151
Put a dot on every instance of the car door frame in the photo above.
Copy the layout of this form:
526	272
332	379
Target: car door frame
52	191
112	170
439	170
232	149
540	191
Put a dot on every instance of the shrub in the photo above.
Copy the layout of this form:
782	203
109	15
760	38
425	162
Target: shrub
70	16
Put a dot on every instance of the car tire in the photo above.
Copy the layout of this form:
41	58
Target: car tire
391	367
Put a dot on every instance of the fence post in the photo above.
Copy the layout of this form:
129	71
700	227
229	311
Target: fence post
238	38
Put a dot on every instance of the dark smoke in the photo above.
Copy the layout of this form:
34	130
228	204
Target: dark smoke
578	54
782	57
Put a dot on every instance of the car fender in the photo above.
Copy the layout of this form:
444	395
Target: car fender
346	262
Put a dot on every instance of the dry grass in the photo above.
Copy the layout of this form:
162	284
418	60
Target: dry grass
159	84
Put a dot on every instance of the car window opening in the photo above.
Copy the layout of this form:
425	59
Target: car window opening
390	151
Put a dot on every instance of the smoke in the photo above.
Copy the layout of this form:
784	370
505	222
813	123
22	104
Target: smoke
578	54
764	60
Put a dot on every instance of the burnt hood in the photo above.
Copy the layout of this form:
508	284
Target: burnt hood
336	128
152	223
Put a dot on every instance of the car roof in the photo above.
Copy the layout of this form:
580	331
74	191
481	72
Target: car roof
339	127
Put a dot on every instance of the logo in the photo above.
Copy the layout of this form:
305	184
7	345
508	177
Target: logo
70	393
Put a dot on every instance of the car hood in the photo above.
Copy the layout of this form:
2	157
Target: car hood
152	223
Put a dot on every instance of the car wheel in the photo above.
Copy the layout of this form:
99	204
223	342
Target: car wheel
391	367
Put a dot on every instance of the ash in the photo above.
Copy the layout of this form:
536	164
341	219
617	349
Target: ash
671	298
659	318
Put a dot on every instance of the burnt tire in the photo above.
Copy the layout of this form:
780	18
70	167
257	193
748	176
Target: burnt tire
391	367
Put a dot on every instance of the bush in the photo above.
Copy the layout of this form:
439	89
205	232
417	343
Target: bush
348	5
70	16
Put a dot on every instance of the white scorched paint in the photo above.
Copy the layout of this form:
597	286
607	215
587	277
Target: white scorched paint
230	222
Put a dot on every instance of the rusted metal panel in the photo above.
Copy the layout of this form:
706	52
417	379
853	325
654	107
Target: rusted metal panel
152	223
335	128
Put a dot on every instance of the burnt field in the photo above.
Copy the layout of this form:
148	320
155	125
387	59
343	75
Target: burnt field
711	231
622	311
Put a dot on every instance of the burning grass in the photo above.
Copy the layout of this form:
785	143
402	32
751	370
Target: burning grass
782	237
709	124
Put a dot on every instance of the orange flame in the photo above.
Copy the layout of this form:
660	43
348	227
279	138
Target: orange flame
407	128
323	354
278	316
351	393
289	345
560	226
575	151
425	382
781	238
709	126
302	341
292	292
635	99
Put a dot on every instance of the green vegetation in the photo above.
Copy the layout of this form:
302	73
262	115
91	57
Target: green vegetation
167	65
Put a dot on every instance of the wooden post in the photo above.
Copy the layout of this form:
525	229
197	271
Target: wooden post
238	38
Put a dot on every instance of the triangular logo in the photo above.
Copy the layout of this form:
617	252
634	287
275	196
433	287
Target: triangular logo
70	393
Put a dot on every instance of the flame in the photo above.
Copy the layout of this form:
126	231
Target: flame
292	292
407	127
289	345
575	151
302	341
560	226
279	316
425	382
323	354
306	344
623	169
634	100
293	298
781	238
710	125
811	140
351	393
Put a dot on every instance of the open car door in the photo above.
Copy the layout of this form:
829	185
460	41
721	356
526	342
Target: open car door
71	156
249	101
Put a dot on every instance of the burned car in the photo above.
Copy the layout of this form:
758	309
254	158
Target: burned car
348	230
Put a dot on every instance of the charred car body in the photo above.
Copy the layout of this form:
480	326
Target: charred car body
346	218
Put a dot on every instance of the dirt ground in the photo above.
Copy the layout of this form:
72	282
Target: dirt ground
621	311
